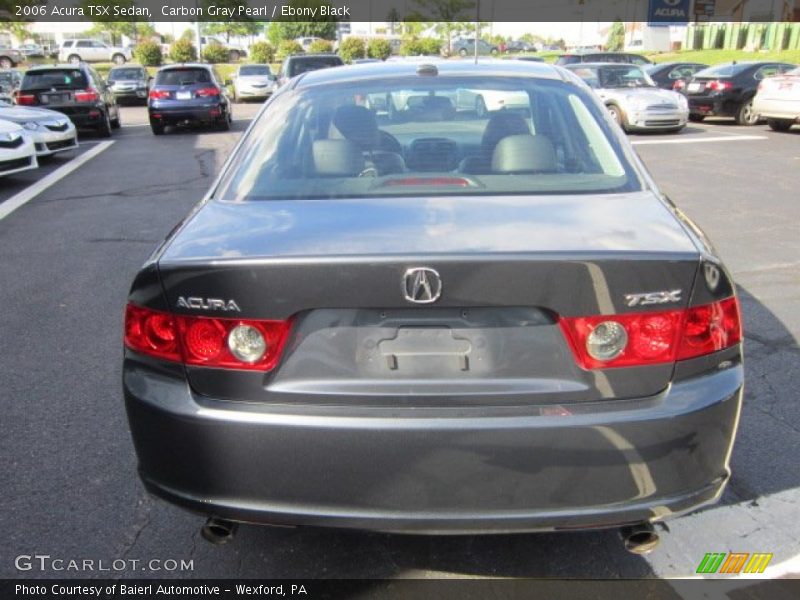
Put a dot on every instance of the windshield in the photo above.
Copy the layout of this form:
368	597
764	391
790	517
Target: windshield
729	70
262	70
6	77
69	79
448	136
115	74
183	76
303	65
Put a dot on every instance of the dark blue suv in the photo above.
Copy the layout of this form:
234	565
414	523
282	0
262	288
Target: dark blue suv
188	93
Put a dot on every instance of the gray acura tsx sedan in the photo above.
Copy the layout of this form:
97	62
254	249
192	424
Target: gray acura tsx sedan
434	319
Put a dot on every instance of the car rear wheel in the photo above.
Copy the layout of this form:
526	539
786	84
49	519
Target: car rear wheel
6	63
779	125
104	129
118	59
746	115
224	124
234	55
157	128
462	52
696	118
74	59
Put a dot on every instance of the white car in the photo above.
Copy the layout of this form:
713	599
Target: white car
75	51
51	131
17	152
632	99
253	81
778	100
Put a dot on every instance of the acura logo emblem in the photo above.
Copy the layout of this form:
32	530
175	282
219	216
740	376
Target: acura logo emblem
422	285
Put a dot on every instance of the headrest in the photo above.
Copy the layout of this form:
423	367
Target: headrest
500	125
357	124
524	154
337	158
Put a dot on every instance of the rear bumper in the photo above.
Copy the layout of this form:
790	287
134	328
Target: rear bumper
170	115
466	470
712	107
771	108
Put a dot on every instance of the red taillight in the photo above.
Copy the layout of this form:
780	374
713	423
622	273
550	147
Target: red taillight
678	85
710	328
207	92
151	332
25	99
719	85
87	95
158	94
658	337
202	341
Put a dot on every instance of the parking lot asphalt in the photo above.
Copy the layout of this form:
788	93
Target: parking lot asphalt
68	470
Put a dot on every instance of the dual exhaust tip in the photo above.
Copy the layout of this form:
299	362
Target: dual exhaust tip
637	539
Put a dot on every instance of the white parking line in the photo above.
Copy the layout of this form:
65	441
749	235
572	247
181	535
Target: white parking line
727	138
30	192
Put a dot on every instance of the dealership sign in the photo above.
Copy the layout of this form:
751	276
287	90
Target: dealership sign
668	12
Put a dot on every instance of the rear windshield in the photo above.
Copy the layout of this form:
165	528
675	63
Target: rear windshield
568	59
254	70
312	64
435	136
125	74
183	76
66	79
729	70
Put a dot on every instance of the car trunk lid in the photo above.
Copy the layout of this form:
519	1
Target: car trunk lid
509	269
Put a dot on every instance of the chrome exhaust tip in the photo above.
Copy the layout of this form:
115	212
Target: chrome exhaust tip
640	538
218	531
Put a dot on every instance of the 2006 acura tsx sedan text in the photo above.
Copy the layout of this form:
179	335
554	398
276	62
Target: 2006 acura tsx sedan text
434	320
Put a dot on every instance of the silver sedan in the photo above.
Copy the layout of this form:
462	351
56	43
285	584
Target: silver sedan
253	81
778	100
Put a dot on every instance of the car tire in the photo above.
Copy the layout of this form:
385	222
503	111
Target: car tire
745	115
779	124
6	63
74	59
480	107
696	118
104	129
493	52
616	114
157	128
234	55
118	59
462	52
225	123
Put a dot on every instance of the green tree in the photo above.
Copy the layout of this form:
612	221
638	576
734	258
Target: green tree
379	48
352	48
19	29
262	52
279	31
183	51
241	26
320	47
148	53
215	53
616	37
287	48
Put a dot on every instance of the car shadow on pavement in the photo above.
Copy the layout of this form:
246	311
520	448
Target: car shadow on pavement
762	463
